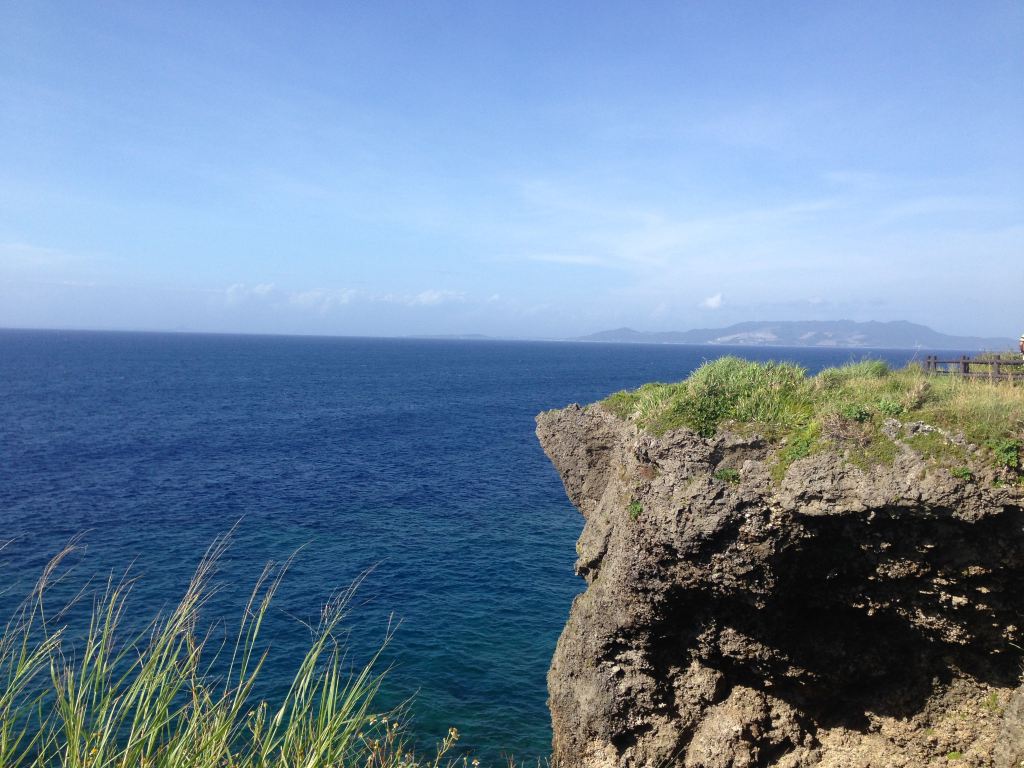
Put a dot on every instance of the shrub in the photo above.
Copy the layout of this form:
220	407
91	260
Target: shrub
855	412
1006	452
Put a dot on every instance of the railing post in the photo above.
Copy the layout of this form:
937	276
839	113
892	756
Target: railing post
965	366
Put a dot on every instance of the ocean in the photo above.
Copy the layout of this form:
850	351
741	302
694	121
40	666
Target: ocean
410	461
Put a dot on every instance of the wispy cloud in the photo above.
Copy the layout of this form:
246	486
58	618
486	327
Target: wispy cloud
664	241
754	125
19	255
856	180
572	259
432	298
938	205
325	300
593	232
321	301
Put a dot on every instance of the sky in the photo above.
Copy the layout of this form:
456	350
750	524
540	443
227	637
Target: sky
529	169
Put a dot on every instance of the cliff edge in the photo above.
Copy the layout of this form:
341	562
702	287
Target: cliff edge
743	609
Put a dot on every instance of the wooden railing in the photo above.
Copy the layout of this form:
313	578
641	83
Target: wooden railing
995	367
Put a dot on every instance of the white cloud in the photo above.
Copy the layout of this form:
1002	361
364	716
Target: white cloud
712	302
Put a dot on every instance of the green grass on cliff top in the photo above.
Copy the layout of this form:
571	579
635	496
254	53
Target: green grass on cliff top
781	401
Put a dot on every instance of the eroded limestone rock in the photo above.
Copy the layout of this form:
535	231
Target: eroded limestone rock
837	617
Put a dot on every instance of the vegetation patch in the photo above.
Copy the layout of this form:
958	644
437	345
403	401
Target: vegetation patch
860	437
1006	453
890	407
991	703
635	509
107	696
846	408
727	475
800	444
858	412
938	448
879	451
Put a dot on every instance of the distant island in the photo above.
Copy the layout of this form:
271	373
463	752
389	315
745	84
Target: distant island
811	333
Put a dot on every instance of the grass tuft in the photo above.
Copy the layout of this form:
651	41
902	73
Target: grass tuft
111	699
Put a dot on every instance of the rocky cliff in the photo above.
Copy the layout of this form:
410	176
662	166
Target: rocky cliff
834	616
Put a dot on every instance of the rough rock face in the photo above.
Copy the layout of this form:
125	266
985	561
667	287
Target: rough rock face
837	617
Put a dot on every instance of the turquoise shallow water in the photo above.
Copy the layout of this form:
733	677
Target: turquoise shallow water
414	457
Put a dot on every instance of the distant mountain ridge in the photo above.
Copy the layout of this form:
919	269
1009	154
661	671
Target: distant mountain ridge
897	334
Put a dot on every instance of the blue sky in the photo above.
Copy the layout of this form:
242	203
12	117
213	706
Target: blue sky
516	168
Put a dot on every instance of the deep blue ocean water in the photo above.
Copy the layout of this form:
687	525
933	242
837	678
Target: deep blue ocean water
414	457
